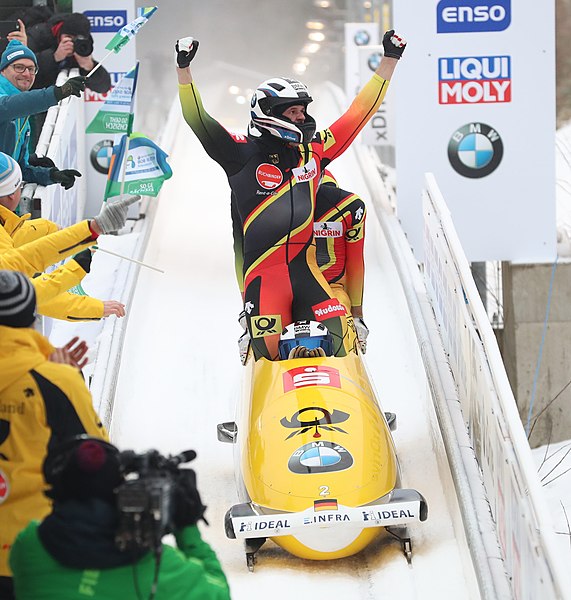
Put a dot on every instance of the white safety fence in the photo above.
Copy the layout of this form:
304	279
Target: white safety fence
62	139
488	406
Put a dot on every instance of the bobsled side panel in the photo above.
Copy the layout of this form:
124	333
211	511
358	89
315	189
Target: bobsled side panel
314	431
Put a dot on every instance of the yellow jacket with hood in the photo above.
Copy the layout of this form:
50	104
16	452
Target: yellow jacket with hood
41	404
51	288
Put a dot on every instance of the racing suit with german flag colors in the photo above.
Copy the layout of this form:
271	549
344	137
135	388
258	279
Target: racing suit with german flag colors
339	232
274	186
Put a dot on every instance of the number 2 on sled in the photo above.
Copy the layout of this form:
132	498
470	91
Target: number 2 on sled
324	490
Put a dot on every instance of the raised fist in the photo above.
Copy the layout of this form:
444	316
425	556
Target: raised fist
185	49
393	44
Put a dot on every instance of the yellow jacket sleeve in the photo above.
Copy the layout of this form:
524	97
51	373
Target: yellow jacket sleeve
33	230
50	285
35	256
71	307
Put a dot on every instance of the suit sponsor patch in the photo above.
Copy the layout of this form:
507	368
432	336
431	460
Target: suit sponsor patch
328	309
269	176
264	325
327	229
305	173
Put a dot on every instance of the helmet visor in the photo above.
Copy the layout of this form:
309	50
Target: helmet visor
322	341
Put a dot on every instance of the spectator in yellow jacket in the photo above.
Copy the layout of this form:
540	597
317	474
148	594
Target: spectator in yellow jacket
34	257
43	400
21	230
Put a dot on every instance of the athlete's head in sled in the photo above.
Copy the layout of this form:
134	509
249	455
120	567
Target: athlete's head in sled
305	339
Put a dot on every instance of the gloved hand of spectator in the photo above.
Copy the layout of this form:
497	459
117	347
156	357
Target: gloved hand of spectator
188	507
72	87
83	259
114	214
66	177
41	161
185	49
362	333
393	44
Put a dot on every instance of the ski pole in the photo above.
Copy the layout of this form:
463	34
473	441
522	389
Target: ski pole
138	262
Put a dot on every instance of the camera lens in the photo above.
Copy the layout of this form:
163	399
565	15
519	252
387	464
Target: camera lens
83	45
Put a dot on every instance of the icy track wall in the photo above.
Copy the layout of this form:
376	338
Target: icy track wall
524	528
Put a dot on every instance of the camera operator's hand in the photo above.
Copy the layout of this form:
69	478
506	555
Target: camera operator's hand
188	507
64	48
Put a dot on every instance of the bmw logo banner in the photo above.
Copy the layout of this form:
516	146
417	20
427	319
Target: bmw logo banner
466	111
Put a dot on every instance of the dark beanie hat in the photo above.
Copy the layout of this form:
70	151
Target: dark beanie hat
17	300
76	24
83	467
15	50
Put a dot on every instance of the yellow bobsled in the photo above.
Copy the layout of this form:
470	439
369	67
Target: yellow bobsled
316	462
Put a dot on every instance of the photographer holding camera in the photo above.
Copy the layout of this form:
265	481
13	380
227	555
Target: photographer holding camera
103	536
65	42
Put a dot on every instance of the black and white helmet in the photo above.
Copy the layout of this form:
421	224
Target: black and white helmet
270	99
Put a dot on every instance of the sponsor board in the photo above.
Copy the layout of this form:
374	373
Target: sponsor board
268	176
311	376
327	229
381	515
474	79
106	21
465	16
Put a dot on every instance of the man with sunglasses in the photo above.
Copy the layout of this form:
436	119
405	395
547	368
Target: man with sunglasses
18	69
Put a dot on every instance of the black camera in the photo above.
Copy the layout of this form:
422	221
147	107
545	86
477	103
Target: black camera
83	45
145	499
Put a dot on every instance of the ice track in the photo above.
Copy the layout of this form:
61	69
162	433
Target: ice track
180	375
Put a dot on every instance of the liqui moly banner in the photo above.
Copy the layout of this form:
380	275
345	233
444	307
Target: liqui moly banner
476	97
107	17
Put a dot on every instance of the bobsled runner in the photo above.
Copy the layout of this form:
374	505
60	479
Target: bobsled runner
316	465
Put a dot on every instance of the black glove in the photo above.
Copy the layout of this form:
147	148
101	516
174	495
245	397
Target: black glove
40	161
66	177
393	44
188	507
83	259
72	87
185	49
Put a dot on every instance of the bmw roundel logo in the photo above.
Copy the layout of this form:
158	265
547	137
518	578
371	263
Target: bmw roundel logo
361	38
100	156
475	150
320	457
374	60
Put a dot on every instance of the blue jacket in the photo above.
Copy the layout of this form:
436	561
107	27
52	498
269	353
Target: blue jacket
15	109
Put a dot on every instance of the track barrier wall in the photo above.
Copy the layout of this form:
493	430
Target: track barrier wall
525	531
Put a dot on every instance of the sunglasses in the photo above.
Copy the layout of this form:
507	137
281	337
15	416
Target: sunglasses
21	68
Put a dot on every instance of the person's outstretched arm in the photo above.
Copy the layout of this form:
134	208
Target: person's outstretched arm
368	100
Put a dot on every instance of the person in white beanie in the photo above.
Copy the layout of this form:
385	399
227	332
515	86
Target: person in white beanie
21	230
45	400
